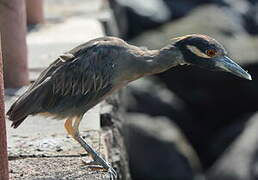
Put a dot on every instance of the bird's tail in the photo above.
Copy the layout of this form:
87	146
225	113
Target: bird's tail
27	104
17	113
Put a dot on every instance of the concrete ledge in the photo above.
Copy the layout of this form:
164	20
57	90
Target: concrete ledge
53	168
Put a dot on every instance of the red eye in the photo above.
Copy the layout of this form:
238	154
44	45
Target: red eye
211	52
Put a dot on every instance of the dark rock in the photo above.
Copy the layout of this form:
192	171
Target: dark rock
136	16
215	100
251	20
151	97
247	9
111	111
220	23
209	107
158	150
106	120
223	138
240	160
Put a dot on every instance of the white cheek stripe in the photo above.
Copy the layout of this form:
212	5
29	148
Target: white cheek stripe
197	51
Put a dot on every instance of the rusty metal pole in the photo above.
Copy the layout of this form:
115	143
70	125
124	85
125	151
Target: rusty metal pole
4	173
14	48
35	11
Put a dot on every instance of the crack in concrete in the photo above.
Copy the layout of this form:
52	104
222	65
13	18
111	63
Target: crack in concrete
43	156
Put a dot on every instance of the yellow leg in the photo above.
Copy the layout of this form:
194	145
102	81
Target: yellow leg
69	126
73	130
77	124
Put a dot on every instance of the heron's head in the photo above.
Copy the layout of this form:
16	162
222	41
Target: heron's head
206	52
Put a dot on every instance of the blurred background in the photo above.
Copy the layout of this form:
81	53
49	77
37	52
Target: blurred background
183	124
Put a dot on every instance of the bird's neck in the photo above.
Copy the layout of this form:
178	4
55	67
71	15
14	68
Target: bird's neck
147	62
162	60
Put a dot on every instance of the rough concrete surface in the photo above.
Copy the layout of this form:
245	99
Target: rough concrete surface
53	169
41	149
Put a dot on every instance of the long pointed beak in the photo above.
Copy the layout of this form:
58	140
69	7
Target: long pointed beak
228	65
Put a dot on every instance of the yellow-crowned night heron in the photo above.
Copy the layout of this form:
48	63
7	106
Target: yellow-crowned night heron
84	76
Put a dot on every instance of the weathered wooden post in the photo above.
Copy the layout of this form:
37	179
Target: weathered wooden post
35	12
3	144
14	48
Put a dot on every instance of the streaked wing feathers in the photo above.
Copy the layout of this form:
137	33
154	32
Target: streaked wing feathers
85	73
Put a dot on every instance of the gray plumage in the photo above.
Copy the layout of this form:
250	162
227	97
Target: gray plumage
73	83
84	76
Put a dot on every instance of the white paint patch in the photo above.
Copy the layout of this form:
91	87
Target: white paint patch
197	51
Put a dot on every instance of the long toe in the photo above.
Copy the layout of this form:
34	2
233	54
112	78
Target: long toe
107	167
96	165
112	173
